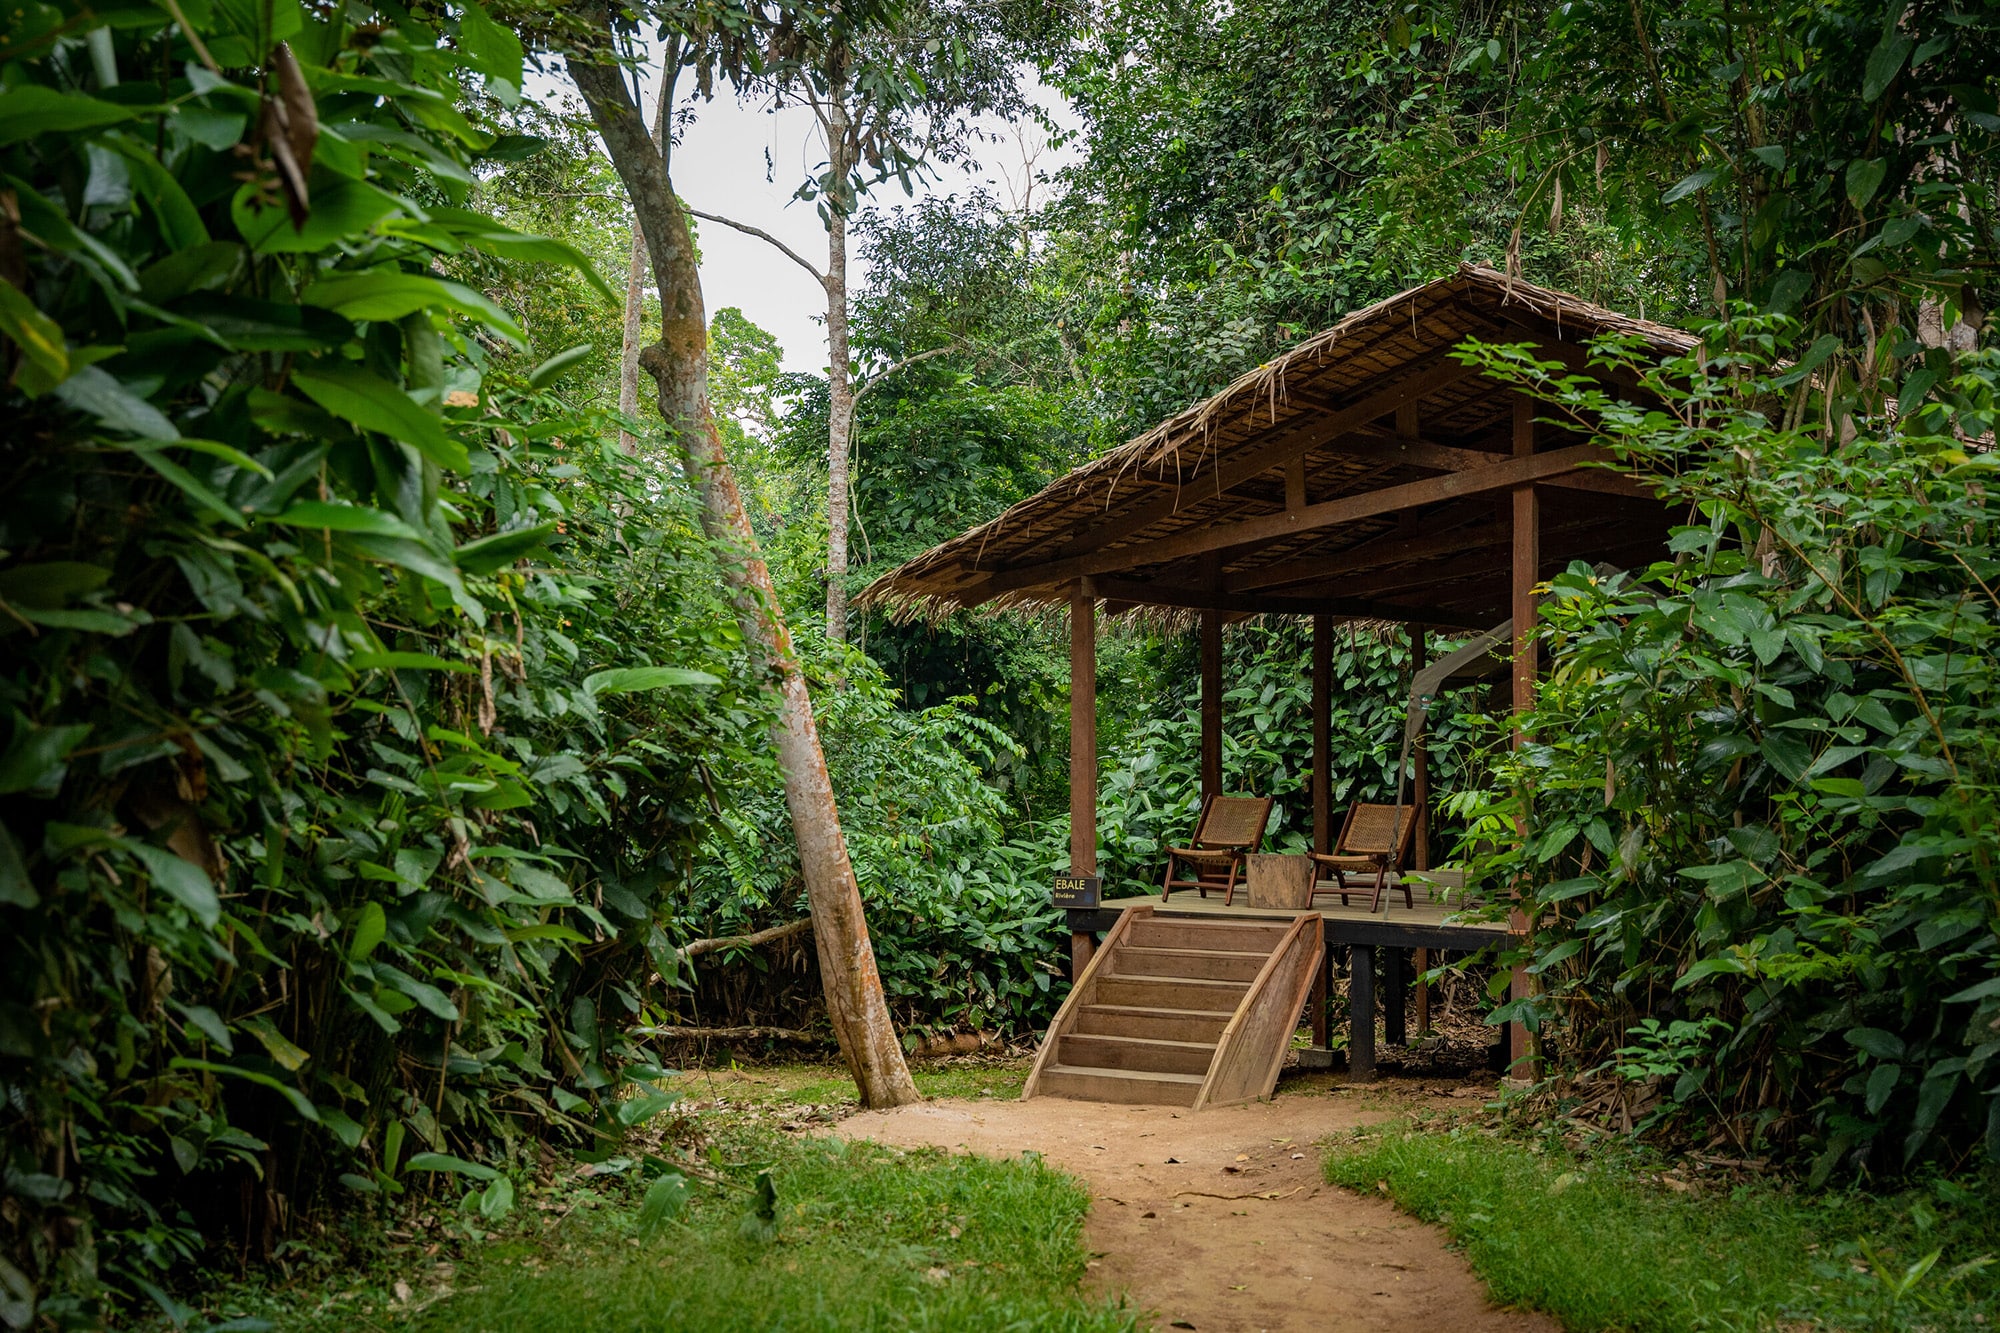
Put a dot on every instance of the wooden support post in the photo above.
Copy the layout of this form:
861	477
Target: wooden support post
1322	988
1322	730
1211	706
1082	755
1361	1014
1395	997
1420	800
1526	570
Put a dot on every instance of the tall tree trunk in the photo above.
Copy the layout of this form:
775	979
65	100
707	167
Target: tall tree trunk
628	355
635	276
678	364
840	384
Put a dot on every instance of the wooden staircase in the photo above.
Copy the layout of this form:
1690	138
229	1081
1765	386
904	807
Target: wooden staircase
1181	1011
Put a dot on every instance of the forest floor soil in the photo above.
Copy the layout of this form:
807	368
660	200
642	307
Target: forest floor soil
1222	1221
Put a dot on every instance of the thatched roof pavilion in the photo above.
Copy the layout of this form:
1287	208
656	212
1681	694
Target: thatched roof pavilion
1366	474
1355	476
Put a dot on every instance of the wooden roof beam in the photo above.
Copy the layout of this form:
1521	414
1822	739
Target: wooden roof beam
1217	537
1575	547
1395	550
1127	593
1368	555
1419	452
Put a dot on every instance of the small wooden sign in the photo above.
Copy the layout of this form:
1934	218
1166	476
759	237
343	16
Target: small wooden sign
1078	890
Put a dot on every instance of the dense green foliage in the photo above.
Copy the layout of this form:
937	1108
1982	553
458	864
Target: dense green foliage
1600	1242
1761	794
339	806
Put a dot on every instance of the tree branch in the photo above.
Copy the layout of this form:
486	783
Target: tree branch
726	1034
874	380
763	235
775	933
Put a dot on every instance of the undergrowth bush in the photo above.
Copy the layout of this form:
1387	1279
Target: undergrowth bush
1761	791
344	758
959	913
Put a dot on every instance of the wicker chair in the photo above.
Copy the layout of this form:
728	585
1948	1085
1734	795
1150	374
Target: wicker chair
1375	838
1231	828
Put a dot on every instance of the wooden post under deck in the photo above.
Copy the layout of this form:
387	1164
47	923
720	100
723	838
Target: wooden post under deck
1322	795
1420	799
1322	729
1361	1014
1211	706
1527	560
1082	756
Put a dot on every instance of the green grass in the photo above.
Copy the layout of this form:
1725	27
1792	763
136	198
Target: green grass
1601	1244
866	1237
830	1085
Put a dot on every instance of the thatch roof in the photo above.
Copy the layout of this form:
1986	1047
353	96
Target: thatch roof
1357	414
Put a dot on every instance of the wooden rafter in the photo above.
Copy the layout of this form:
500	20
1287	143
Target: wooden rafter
1126	593
1493	477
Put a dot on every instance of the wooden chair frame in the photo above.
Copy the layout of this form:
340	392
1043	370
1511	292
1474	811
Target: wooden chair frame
1373	854
1214	856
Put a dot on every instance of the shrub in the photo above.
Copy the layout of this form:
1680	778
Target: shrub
320	718
1762	782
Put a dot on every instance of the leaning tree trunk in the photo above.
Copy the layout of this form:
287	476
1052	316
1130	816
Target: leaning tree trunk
635	281
678	364
840	382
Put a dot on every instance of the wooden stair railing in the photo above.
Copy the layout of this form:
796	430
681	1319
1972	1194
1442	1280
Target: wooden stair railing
1181	1011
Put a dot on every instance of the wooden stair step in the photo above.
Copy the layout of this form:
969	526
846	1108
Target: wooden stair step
1203	964
1153	1021
1168	991
1153	1054
1193	932
1097	1084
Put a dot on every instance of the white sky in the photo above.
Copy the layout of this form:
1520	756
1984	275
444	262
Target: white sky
719	167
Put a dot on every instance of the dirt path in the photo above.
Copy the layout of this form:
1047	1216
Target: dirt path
1221	1222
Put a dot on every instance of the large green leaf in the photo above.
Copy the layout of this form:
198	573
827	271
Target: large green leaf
1884	63
370	402
50	583
36	755
495	51
31	110
457	1166
390	295
1864	178
93	390
559	365
502	548
342	517
628	680
291	1094
191	486
39	337
369	929
187	884
348	208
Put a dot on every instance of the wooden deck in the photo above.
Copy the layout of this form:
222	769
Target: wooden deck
1424	926
1353	931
